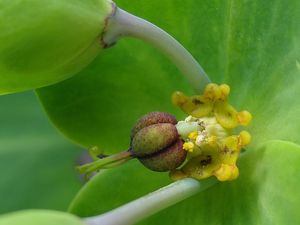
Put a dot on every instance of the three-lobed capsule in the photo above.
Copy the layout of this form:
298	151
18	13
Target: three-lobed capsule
156	142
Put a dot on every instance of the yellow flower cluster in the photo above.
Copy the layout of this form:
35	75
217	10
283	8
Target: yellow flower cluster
212	149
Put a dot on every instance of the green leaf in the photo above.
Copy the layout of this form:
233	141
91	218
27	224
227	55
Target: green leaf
254	46
36	163
38	217
112	188
267	192
43	42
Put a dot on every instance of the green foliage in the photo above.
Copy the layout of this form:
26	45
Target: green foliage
265	193
116	187
43	42
36	163
38	217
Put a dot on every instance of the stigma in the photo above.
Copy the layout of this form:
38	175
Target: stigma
209	135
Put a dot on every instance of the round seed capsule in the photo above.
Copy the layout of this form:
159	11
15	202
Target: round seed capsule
156	143
167	159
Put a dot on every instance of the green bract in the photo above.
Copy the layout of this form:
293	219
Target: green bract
38	217
43	42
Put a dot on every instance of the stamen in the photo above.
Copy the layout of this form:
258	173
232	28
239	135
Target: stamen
188	146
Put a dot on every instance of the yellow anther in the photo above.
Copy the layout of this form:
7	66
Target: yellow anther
244	118
188	146
225	90
193	135
244	138
212	92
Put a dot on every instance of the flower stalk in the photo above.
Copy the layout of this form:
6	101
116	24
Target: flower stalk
106	162
122	23
152	203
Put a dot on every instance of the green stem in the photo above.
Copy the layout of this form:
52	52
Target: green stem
117	163
123	23
106	162
152	203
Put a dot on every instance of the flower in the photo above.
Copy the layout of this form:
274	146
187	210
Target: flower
207	133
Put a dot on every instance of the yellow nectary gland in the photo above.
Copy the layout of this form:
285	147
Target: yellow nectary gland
212	148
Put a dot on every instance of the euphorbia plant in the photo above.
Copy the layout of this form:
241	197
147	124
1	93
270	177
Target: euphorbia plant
250	45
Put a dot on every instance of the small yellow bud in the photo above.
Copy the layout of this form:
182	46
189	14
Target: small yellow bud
225	90
244	138
244	118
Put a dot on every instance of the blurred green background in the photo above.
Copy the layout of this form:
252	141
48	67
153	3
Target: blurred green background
36	162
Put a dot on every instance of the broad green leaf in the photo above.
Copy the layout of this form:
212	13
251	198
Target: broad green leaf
43	42
112	188
267	192
36	163
254	46
38	217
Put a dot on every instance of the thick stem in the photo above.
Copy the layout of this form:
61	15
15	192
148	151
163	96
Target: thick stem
152	203
123	23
